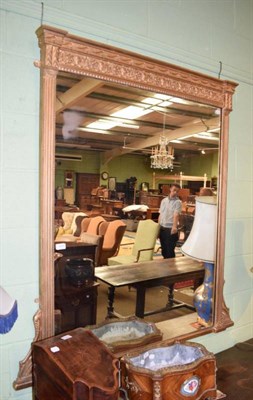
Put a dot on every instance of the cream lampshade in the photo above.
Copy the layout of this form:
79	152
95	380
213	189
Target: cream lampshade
201	245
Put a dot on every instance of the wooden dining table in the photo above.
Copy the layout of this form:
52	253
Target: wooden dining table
144	275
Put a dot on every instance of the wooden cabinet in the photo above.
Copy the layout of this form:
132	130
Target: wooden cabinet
83	200
84	185
77	305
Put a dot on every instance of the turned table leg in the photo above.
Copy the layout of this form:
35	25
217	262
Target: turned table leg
170	296
140	301
110	308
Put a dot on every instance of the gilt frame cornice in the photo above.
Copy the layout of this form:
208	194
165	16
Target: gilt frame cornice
69	53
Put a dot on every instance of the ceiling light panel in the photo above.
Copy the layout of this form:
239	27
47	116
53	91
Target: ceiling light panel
176	141
206	136
165	103
151	101
102	124
162	96
131	112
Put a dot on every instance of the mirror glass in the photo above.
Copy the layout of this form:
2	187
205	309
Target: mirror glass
106	134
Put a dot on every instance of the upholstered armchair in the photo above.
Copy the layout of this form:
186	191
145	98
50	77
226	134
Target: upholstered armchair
113	233
71	229
91	225
144	244
93	239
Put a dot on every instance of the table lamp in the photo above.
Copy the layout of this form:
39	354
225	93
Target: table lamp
201	245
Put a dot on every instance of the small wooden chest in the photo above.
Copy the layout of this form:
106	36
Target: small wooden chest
74	366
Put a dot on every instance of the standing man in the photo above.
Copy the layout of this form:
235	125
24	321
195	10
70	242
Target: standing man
170	210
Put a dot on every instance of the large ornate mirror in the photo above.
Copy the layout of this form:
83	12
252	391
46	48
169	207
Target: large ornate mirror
95	71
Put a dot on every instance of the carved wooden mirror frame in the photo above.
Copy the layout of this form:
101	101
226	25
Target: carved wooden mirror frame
61	51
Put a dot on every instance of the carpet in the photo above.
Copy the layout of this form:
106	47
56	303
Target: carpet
156	298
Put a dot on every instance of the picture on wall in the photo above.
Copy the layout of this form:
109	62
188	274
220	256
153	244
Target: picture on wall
112	183
68	179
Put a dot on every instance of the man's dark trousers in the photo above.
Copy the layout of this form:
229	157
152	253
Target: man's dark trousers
168	242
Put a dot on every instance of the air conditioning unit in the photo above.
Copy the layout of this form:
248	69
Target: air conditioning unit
68	157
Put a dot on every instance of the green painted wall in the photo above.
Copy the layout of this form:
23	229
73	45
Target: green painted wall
90	164
200	165
128	165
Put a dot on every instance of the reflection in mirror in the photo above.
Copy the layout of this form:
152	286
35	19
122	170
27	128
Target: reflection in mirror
104	126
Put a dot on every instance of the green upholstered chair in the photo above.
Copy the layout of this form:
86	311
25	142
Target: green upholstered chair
144	244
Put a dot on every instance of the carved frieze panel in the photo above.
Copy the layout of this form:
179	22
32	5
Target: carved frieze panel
68	53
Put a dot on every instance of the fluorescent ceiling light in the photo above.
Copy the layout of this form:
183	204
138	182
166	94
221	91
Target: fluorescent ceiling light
179	101
165	103
201	135
214	130
176	141
158	101
185	137
151	100
206	137
102	124
162	96
86	129
131	112
131	126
